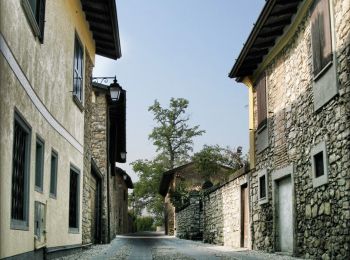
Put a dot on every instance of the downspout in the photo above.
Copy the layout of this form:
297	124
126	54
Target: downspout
248	82
108	172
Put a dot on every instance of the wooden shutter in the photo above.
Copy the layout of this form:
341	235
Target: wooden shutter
41	19
321	35
261	101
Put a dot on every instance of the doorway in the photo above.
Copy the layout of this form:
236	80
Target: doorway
244	215
284	214
96	207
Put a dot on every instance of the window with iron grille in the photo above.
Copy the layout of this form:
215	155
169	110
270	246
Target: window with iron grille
74	191
39	165
321	36
35	12
78	70
20	174
53	175
260	89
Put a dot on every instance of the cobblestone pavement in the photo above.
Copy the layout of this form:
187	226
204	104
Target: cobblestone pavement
155	246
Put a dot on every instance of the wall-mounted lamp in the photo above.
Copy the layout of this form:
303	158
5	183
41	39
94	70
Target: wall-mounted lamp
114	88
123	155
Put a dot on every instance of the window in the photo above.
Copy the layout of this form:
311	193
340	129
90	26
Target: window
78	70
262	191
319	169
74	191
260	89
262	187
20	174
321	36
319	162
53	175
35	12
39	165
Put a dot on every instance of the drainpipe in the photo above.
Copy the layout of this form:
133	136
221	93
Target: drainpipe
249	83
108	174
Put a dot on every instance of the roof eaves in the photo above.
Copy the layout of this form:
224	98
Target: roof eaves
252	37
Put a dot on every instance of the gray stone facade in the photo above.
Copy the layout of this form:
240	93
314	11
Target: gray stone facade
189	221
95	148
215	214
321	213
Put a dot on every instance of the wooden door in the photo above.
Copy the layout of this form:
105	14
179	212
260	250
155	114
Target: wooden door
244	215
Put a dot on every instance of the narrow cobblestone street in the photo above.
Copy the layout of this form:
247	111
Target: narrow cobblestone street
153	245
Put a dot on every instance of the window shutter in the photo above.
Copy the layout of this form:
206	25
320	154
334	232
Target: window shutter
316	41
41	19
321	35
261	101
326	33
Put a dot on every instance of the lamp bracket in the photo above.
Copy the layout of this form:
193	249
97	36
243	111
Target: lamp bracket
103	80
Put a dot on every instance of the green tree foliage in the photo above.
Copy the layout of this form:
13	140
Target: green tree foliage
172	136
145	223
145	195
211	157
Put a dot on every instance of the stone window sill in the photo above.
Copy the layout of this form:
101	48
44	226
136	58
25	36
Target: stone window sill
78	102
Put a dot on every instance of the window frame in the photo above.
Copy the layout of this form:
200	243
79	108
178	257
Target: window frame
18	224
54	154
263	200
323	179
36	20
78	94
75	229
41	142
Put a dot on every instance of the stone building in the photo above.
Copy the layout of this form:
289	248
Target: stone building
47	51
105	135
297	69
186	174
119	202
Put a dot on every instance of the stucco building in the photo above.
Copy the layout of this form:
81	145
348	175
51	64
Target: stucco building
296	66
47	51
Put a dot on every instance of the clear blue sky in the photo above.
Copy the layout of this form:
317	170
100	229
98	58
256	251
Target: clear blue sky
182	48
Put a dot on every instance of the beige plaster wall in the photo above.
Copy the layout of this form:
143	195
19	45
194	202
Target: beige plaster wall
48	68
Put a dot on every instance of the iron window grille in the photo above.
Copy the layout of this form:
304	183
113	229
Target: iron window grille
78	70
74	190
20	174
39	164
53	175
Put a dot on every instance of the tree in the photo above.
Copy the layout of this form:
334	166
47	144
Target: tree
146	189
172	136
209	159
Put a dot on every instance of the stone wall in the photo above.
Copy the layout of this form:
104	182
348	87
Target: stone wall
86	214
222	213
322	214
99	151
214	214
189	220
119	206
